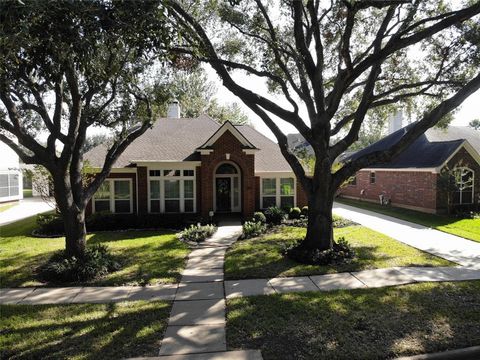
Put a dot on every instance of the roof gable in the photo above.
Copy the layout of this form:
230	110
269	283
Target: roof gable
227	126
431	150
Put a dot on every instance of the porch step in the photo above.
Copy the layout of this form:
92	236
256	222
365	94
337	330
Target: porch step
223	355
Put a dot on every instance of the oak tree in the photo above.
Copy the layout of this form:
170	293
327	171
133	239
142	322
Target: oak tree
66	66
330	64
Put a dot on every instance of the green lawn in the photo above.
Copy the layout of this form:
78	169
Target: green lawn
357	324
466	228
4	207
82	331
27	193
148	257
261	257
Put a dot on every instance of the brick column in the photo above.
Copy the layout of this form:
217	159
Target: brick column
142	190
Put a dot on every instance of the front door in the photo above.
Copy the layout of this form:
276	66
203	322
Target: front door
223	194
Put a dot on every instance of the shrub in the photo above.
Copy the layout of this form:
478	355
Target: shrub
305	211
340	222
340	253
252	229
294	213
197	233
51	224
97	262
259	217
302	222
274	215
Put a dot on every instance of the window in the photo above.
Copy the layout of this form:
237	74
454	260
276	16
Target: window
155	196
169	173
372	178
188	195
287	199
172	191
269	192
122	196
464	180
9	185
278	192
114	196
102	197
226	169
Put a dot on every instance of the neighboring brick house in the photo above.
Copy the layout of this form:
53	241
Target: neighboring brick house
412	179
195	166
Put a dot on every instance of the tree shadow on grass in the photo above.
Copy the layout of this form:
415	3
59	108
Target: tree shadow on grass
146	257
88	331
258	261
357	324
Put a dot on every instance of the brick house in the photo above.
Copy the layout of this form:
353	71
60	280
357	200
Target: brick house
412	179
195	166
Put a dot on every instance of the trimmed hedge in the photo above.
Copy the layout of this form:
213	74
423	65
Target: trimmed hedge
52	224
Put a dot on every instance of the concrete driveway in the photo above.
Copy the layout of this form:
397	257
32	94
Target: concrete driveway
23	209
454	248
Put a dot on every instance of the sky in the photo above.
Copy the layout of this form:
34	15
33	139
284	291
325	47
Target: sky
469	110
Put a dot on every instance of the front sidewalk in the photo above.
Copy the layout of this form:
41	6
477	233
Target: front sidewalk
213	287
454	248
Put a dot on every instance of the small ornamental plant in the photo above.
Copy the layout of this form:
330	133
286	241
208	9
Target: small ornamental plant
97	262
197	233
252	229
341	252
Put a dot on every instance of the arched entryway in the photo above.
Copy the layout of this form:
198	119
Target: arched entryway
227	188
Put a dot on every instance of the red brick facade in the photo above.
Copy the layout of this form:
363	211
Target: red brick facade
227	144
463	158
416	190
227	149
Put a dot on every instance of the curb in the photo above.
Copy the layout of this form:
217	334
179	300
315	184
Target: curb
470	353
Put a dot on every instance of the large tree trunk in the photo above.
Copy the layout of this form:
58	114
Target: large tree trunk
75	232
73	215
320	222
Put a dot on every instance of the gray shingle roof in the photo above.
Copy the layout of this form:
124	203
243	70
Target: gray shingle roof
177	139
432	149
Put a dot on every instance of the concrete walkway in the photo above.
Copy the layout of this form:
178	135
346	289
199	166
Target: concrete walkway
23	209
454	248
196	328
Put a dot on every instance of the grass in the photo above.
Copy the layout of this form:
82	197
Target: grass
466	228
82	331
4	207
262	257
27	193
357	324
148	257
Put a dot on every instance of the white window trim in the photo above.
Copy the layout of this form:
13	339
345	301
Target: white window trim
461	191
278	196
20	185
181	178
112	196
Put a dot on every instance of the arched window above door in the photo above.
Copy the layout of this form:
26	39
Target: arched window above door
226	169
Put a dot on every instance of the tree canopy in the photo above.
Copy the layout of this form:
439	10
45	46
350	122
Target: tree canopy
196	95
66	66
333	63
